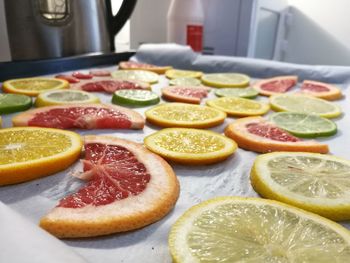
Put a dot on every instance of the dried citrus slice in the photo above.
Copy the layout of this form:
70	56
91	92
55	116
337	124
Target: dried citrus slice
138	98
304	125
321	90
187	94
276	85
314	182
248	93
304	104
132	65
136	75
10	103
259	135
184	115
29	153
127	187
177	73
239	107
222	80
59	97
190	146
254	230
33	86
185	82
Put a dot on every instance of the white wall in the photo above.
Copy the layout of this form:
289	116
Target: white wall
320	33
4	43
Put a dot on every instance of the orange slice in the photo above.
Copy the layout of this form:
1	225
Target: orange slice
258	135
276	85
143	66
321	90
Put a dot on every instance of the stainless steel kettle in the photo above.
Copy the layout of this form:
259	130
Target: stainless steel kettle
41	29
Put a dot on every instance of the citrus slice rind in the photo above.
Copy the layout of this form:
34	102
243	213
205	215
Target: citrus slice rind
321	90
304	125
28	153
185	81
238	229
136	75
178	73
33	86
184	115
226	80
139	98
131	65
239	107
10	103
304	104
259	135
276	85
186	94
248	93
314	182
190	146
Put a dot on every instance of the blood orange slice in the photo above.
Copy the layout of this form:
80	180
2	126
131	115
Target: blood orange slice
187	94
143	66
128	187
258	135
110	85
276	85
81	116
321	90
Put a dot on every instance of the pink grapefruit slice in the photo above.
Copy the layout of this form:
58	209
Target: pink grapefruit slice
186	94
127	187
258	135
321	90
81	116
276	85
143	66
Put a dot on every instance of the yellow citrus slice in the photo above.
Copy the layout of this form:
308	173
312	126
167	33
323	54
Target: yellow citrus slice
33	86
254	230
136	75
27	153
190	146
177	73
314	182
223	80
184	115
239	107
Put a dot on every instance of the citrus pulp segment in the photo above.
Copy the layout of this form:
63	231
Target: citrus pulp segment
128	187
10	103
29	153
248	93
184	115
190	146
254	230
135	97
33	86
314	182
321	90
136	75
239	107
186	94
304	125
304	104
132	65
276	85
222	80
177	73
186	81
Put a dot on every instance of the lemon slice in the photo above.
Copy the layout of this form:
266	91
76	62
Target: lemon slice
185	82
59	97
185	115
237	229
27	153
221	80
33	86
239	107
314	182
190	146
136	75
177	73
304	104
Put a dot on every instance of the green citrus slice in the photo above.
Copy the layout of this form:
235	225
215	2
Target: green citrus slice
60	97
10	103
254	230
177	73
221	80
135	97
185	82
304	104
136	75
248	93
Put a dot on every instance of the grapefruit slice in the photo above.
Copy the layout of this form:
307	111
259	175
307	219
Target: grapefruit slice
187	94
276	85
110	85
81	116
128	187
100	73
143	66
258	135
321	90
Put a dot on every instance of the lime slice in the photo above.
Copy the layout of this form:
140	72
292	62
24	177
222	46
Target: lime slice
185	82
304	125
221	80
10	103
59	97
177	73
138	75
254	230
135	97
304	104
314	182
248	93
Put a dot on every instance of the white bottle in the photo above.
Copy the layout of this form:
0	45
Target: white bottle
185	23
